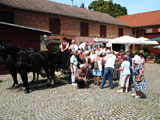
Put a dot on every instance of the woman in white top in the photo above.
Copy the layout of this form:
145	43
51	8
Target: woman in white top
103	49
92	57
97	69
125	74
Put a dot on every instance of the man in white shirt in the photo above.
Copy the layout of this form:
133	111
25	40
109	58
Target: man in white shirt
73	46
64	45
137	57
109	69
73	64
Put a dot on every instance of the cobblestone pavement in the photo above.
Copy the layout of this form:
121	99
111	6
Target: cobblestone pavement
65	102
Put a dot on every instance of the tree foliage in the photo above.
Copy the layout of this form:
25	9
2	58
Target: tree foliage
108	7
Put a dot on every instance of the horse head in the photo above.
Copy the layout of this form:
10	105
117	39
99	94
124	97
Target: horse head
7	52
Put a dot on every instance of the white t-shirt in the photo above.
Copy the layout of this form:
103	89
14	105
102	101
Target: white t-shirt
73	47
73	60
102	50
138	58
126	68
92	56
110	60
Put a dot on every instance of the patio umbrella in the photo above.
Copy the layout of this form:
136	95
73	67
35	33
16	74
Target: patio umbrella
158	47
155	39
144	41
102	40
124	40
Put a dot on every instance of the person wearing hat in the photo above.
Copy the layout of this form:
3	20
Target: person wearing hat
64	45
81	77
91	47
73	46
138	79
73	64
97	68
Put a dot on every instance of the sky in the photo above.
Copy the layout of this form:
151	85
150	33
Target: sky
133	6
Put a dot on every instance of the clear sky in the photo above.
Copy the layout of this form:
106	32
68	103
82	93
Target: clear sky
133	6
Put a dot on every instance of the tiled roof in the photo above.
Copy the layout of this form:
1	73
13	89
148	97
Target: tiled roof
61	9
141	19
24	27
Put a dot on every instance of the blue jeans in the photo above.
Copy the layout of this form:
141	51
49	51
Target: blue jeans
108	72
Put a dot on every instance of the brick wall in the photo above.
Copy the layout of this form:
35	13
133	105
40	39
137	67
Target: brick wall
70	27
29	18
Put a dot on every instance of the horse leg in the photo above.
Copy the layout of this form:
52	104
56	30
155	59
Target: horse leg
48	76
52	73
37	76
24	77
14	76
34	76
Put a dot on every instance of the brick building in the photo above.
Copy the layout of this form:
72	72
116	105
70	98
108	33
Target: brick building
144	24
62	20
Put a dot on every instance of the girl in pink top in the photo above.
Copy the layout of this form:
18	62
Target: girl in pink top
142	62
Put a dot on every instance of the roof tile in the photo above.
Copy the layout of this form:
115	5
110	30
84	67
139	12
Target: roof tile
61	9
141	19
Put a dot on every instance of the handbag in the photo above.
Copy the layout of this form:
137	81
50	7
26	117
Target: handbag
95	65
139	79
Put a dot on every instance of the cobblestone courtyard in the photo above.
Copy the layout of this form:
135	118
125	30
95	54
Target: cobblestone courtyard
65	102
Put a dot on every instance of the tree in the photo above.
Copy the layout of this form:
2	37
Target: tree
113	9
82	5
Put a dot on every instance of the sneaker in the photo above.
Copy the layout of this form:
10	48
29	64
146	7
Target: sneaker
133	94
120	91
126	91
74	84
137	96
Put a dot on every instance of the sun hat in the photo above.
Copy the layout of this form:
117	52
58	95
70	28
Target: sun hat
98	53
108	51
86	52
82	65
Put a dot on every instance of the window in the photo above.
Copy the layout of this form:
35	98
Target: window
7	17
137	33
155	30
102	31
84	29
133	32
55	26
120	32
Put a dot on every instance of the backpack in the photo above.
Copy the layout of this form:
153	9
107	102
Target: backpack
95	65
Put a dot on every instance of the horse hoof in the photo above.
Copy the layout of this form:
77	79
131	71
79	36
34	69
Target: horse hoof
51	86
15	85
48	85
28	91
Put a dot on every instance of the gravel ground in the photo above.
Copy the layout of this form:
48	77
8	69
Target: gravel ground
65	102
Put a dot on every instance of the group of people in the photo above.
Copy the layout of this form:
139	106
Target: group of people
103	63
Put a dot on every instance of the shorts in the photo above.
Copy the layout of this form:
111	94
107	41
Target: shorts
97	72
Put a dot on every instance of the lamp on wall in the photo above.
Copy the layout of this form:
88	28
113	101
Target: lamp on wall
45	37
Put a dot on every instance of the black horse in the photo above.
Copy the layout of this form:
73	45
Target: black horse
21	61
59	61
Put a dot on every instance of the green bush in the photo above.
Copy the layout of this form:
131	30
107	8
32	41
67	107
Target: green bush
158	61
145	48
